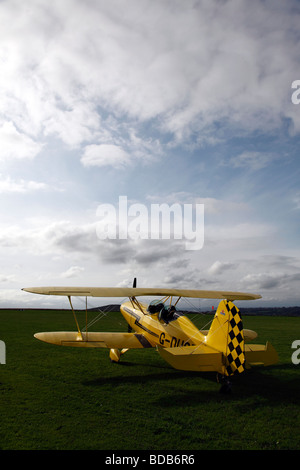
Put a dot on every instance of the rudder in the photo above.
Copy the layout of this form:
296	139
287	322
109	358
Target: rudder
226	335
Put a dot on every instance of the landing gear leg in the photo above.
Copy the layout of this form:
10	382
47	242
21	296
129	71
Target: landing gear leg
115	354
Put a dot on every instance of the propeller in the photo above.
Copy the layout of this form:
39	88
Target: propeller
133	285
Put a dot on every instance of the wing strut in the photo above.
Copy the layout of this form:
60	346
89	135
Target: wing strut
86	320
79	332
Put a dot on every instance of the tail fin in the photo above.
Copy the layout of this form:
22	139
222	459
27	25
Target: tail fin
226	335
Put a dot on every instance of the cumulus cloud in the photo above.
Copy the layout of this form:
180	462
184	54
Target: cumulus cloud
296	201
219	267
66	238
73	271
66	67
103	155
15	144
6	278
268	281
49	245
48	238
9	185
253	160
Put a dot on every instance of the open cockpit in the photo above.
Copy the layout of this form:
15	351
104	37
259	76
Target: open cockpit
166	313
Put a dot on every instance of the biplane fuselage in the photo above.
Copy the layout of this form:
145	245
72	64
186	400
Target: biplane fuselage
179	331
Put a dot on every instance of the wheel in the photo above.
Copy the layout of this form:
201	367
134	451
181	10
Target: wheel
226	386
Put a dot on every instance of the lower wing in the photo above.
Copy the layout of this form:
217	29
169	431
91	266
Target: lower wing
95	339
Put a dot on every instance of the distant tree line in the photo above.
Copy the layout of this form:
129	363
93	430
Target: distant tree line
268	311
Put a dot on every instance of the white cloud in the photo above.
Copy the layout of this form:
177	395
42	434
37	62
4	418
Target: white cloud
219	267
6	278
296	201
8	185
73	271
73	126
48	237
211	205
44	247
105	154
267	280
15	144
187	65
253	160
240	231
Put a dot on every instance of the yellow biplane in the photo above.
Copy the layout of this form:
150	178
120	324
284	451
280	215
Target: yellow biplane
223	348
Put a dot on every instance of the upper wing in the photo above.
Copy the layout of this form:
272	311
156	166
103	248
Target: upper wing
139	291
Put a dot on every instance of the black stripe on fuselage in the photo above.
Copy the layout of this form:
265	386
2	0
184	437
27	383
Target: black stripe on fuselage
138	324
144	342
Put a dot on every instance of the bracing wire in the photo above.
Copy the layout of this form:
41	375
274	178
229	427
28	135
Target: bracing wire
197	313
102	314
105	313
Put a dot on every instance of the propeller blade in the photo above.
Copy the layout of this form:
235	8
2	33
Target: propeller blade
129	329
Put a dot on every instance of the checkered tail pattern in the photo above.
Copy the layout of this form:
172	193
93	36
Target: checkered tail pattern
235	357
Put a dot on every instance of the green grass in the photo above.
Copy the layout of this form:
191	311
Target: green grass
67	398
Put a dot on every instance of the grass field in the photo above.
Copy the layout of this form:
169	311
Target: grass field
67	398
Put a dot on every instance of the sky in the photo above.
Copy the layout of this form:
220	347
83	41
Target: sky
167	101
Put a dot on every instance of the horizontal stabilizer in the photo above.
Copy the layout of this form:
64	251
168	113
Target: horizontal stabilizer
249	335
258	354
135	291
95	339
192	358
